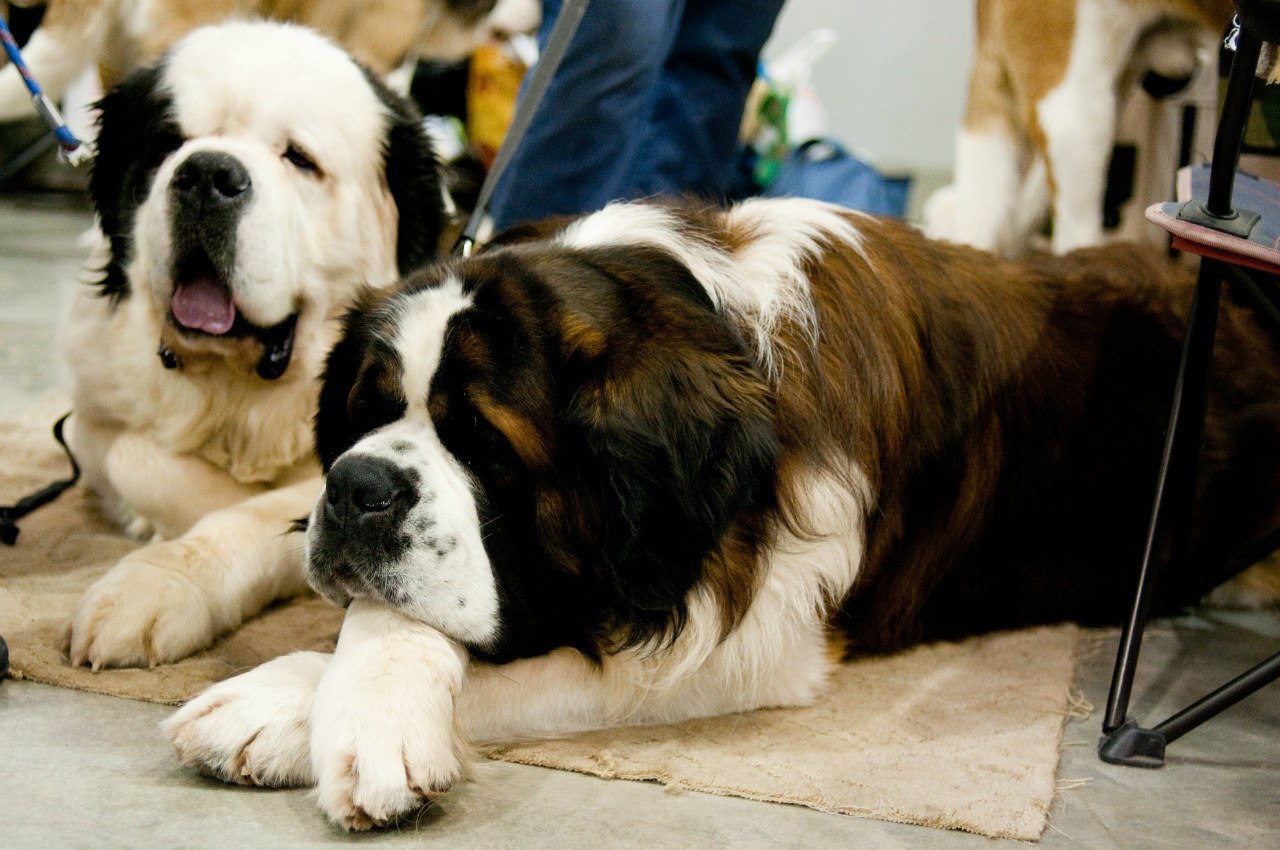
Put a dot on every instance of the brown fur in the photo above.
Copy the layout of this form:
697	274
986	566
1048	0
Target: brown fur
1023	402
1008	418
981	397
118	36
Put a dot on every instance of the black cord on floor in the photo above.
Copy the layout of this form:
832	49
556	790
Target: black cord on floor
10	514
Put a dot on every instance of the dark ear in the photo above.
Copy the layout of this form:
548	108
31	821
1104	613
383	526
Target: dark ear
359	389
677	449
136	131
413	177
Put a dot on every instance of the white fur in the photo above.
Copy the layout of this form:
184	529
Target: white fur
646	224
766	286
760	287
1000	196
400	704
166	448
173	597
382	725
979	208
54	60
254	729
1079	116
446	575
421	325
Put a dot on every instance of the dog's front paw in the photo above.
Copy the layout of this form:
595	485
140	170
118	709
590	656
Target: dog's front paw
148	609
255	728
381	775
383	738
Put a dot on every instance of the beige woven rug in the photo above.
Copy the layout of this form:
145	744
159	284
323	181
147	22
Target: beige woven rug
956	736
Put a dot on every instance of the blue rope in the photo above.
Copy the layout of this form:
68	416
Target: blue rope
73	150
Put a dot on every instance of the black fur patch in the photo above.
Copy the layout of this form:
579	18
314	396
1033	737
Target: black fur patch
360	387
137	131
413	177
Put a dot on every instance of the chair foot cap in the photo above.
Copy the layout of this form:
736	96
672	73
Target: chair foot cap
1133	746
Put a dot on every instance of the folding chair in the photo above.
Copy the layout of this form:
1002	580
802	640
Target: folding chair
1241	247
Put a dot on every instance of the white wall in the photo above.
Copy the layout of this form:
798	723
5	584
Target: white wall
893	86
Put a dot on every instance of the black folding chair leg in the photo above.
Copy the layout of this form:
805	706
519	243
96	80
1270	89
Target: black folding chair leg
1176	478
1220	700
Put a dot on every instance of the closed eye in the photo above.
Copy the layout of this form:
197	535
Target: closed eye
163	144
300	159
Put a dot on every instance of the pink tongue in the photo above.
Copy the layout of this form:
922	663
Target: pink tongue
203	305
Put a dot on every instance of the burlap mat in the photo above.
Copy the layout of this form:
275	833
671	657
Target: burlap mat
958	736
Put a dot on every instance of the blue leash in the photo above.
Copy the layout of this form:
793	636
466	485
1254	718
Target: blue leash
73	150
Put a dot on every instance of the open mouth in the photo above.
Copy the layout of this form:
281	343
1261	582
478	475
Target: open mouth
202	305
202	300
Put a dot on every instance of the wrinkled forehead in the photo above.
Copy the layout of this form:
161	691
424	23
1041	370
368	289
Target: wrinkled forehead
275	83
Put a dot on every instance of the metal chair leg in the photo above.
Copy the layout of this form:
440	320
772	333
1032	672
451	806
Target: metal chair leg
1168	533
1177	474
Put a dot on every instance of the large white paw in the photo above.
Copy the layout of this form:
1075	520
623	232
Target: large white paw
148	609
255	728
383	738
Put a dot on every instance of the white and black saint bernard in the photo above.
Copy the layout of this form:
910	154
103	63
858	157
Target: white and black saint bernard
661	463
248	186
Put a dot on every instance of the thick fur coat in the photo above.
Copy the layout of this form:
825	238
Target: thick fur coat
662	462
243	204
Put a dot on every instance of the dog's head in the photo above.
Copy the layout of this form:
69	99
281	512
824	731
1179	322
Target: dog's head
251	181
540	446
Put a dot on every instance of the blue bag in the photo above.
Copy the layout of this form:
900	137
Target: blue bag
822	169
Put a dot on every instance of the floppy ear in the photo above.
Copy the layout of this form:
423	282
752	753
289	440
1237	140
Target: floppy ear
678	446
413	176
136	131
348	408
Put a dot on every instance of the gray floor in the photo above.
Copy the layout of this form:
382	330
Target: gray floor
78	770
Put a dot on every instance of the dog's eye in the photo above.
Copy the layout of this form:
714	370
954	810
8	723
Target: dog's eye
164	144
300	159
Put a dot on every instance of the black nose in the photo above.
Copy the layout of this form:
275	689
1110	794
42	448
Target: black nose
214	177
359	486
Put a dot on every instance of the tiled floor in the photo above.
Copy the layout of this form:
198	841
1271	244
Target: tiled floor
78	770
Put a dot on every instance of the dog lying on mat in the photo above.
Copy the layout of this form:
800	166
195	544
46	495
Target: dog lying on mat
660	463
244	204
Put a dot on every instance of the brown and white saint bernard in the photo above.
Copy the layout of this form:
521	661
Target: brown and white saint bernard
247	186
1045	91
661	462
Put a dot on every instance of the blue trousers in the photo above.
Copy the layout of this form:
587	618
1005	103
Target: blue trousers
647	101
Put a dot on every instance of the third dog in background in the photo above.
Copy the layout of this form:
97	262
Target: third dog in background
120	35
1044	97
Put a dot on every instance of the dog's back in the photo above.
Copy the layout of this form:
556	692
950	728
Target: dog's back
1030	502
